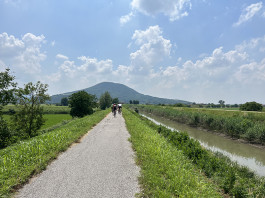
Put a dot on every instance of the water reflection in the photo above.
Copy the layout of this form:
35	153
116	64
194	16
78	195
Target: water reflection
244	154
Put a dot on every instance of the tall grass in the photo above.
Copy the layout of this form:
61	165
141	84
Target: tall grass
20	161
165	171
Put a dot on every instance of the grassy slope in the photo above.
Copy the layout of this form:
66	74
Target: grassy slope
20	161
165	172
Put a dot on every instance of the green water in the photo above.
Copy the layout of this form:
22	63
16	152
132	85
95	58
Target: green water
245	154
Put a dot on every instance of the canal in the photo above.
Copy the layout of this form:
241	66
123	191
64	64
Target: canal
244	154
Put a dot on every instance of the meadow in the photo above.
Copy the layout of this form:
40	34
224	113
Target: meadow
249	126
20	161
231	178
47	109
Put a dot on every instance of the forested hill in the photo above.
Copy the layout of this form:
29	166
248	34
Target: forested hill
116	90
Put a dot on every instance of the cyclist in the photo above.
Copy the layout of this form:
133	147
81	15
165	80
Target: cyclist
114	109
119	108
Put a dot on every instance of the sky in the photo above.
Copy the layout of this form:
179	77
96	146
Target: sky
200	51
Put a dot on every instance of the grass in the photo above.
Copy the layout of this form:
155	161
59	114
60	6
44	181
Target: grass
165	171
235	180
48	109
26	158
51	119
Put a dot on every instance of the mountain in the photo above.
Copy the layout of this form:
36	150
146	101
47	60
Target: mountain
116	90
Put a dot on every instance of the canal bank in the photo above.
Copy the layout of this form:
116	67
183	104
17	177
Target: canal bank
244	154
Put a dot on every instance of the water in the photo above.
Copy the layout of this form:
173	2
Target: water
244	154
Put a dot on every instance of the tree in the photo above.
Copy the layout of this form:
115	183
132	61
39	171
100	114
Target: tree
81	104
115	100
251	106
105	100
7	91
7	88
135	101
222	103
29	116
64	101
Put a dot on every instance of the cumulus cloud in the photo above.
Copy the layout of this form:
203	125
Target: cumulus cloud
248	13
174	9
126	18
23	54
223	74
153	49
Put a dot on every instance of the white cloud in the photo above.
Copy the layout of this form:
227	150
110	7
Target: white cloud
9	45
22	54
251	73
73	75
60	56
126	18
174	9
153	49
248	13
53	43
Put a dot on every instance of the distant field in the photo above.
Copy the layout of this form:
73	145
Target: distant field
51	119
48	109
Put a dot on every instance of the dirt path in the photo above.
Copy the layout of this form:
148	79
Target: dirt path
102	165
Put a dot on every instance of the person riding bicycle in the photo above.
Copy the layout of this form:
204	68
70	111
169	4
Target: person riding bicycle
114	109
119	108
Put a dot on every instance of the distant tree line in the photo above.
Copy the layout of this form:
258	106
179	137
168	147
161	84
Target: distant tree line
248	106
134	102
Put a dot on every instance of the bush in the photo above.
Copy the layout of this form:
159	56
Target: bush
251	106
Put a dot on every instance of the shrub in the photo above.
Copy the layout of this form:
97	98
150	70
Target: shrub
251	106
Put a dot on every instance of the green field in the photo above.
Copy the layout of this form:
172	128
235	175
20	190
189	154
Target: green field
51	119
20	161
48	109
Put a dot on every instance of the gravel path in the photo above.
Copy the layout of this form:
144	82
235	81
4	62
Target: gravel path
102	165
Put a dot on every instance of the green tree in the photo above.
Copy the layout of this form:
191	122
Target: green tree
222	103
64	101
115	100
135	102
7	90
105	100
81	104
29	116
251	106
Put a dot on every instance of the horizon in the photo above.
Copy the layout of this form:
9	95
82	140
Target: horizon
145	94
199	51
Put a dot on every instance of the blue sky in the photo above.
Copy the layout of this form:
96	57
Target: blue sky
194	50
